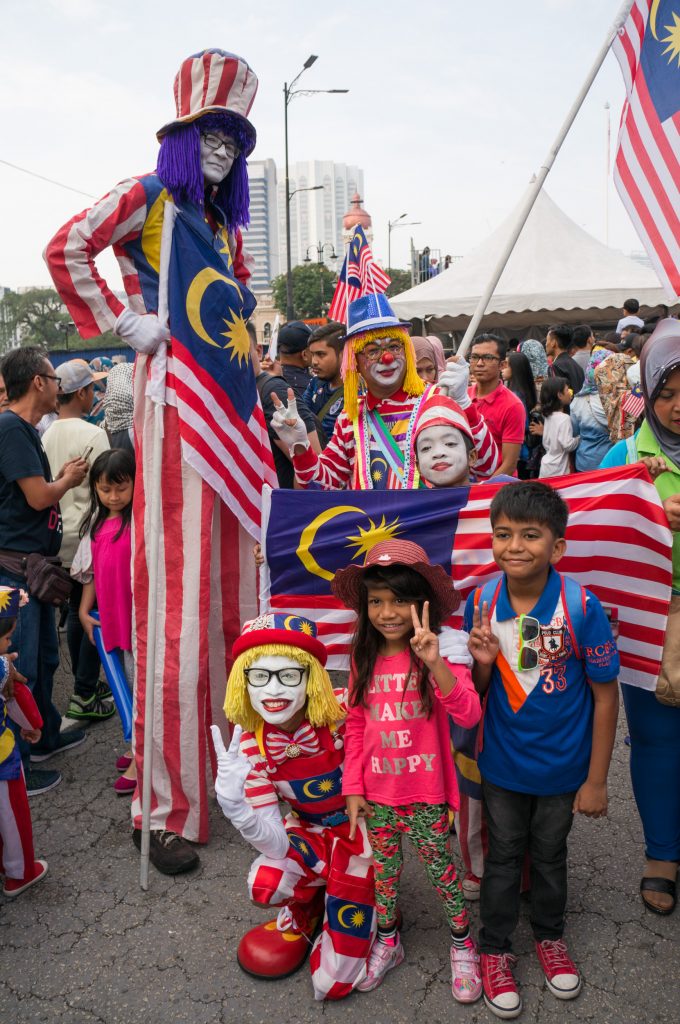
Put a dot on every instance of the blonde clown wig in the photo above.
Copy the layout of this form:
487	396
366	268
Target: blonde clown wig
322	705
412	385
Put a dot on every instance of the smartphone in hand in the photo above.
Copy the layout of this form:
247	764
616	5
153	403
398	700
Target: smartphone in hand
88	451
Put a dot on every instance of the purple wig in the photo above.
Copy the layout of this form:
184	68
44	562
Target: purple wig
179	166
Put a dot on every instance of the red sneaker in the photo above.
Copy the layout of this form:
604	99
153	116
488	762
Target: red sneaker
500	988
561	973
14	886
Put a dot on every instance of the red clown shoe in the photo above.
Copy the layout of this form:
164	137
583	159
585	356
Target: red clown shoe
280	947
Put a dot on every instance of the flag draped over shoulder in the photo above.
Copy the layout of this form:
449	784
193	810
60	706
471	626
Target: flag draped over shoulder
618	545
221	423
647	166
359	276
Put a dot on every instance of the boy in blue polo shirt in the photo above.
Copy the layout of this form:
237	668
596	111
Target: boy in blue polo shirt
547	662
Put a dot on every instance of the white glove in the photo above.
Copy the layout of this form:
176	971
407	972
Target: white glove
287	423
142	333
263	828
453	645
455	380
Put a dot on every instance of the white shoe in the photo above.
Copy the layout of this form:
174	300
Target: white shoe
381	960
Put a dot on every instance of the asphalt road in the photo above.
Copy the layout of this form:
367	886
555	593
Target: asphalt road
87	945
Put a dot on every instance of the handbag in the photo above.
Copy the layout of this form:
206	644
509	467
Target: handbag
668	683
47	580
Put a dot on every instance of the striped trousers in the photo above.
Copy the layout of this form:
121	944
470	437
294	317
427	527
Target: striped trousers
17	858
206	587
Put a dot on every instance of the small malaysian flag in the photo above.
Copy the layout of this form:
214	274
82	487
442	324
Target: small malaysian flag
647	166
210	376
633	403
360	275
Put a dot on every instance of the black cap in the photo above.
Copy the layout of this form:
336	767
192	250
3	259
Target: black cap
294	336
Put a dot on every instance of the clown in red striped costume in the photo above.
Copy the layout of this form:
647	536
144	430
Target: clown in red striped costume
292	749
372	443
206	583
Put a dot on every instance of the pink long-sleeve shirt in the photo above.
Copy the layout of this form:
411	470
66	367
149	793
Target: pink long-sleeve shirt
394	755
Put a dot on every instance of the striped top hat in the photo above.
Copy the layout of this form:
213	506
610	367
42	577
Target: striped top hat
277	628
438	410
371	313
213	82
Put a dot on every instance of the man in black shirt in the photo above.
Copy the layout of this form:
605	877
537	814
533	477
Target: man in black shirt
30	523
557	346
293	349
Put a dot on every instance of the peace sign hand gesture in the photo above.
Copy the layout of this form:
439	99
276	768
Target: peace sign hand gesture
483	645
232	771
287	423
424	642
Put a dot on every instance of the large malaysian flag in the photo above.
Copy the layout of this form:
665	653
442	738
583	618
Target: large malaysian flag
647	167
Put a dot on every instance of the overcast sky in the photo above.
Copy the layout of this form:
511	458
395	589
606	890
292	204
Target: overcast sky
452	106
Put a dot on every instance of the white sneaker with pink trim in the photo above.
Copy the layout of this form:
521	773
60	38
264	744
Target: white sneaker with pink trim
382	959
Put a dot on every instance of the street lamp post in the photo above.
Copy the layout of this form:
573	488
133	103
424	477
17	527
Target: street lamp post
288	94
320	249
397	222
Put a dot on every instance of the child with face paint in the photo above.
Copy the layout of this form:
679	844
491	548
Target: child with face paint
444	443
399	774
288	745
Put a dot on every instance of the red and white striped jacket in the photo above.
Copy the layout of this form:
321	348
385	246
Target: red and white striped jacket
130	220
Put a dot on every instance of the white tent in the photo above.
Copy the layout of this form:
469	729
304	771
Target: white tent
557	273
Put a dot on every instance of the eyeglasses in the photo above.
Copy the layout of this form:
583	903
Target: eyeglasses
529	630
374	352
215	142
286	676
50	376
485	358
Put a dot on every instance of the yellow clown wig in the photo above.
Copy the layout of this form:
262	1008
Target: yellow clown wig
322	705
412	385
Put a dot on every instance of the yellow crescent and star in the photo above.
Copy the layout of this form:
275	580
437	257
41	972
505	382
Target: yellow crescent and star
325	788
673	37
364	541
238	342
356	920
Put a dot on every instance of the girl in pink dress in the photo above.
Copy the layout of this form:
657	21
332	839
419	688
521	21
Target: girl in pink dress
405	682
112	481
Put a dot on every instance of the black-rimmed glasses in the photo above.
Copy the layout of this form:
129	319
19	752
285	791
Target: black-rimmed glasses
215	142
286	676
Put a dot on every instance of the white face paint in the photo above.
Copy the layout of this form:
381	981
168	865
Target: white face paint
216	163
274	702
385	374
442	456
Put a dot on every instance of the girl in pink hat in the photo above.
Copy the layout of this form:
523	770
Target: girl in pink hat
399	774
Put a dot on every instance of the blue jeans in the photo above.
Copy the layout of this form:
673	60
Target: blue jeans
35	641
655	770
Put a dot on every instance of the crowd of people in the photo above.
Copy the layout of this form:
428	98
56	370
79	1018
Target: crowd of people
360	405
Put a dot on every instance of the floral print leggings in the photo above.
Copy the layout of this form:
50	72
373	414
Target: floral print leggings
427	826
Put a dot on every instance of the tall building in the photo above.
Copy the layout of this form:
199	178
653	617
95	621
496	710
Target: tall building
262	237
316	217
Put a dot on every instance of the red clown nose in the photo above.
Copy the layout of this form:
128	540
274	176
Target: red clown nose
387	358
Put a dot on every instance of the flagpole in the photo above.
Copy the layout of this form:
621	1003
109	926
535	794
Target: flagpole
152	542
537	180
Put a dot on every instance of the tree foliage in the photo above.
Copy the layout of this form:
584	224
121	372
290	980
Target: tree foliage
313	287
38	317
401	281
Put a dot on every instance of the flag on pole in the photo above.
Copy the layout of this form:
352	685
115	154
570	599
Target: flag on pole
360	275
647	166
210	376
618	545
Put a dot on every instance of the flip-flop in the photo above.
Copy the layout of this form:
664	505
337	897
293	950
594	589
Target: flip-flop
664	885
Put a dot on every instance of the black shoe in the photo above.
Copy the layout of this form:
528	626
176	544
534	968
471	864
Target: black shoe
38	782
168	852
67	738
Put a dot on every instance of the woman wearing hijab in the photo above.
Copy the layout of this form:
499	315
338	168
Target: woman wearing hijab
589	420
538	360
426	360
654	718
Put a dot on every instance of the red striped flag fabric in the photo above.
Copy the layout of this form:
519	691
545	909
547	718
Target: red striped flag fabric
359	276
647	166
618	545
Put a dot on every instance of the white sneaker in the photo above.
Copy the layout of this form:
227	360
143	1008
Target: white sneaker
381	960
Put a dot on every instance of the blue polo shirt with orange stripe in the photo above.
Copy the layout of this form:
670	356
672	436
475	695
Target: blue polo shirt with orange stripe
538	724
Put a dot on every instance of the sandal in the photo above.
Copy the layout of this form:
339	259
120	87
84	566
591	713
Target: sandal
664	885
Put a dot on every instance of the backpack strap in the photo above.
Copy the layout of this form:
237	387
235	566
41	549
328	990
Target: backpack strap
631	449
574	603
488	594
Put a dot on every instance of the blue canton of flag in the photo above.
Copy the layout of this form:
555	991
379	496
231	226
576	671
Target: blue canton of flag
303	849
360	275
660	57
221	424
319	787
349	917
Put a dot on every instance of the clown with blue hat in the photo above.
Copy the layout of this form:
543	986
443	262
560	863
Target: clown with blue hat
371	446
288	745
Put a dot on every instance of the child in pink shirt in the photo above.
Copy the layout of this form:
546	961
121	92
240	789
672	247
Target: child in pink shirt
398	767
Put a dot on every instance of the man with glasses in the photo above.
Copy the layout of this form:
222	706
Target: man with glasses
201	167
503	411
30	523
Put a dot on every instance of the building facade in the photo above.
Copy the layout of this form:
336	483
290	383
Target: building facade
262	236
